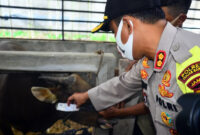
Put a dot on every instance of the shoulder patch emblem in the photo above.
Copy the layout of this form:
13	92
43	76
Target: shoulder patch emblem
173	132
166	78
195	84
145	63
166	118
144	74
160	59
163	92
189	71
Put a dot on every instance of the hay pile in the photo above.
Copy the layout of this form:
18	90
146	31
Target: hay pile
58	127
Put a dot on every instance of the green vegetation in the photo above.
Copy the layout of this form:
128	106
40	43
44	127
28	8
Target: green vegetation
56	35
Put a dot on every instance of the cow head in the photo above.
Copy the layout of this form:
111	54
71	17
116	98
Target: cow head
58	87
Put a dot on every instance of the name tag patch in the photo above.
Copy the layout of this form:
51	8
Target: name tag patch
166	105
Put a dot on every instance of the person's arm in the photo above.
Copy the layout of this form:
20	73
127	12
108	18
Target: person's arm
113	91
137	109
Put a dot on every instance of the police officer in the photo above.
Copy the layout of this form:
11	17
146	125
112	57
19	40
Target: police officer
176	13
169	61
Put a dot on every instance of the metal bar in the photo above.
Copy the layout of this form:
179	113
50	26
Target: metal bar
51	9
34	29
198	19
58	30
86	1
59	20
100	2
63	23
195	9
38	29
40	19
190	28
54	9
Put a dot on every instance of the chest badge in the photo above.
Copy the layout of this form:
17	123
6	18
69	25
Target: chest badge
145	63
144	74
166	78
160	59
163	92
166	118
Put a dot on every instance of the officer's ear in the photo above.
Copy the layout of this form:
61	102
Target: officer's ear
128	22
178	21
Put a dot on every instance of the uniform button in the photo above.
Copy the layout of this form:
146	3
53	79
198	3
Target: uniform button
176	47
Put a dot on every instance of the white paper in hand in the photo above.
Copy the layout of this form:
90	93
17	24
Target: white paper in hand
65	108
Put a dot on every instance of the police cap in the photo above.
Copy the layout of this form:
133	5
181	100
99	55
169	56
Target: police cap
117	8
167	2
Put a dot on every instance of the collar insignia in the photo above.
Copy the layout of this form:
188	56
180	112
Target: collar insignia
160	59
145	63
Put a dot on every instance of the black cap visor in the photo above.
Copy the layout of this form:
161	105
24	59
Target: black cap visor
104	26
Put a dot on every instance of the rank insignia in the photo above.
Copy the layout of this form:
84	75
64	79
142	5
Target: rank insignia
173	132
166	78
195	84
160	59
144	74
163	92
145	63
166	118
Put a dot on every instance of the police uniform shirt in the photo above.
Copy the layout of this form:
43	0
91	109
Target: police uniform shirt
174	71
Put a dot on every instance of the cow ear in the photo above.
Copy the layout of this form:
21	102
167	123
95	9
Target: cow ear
44	95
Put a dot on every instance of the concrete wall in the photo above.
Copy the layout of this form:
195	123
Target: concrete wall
58	56
57	46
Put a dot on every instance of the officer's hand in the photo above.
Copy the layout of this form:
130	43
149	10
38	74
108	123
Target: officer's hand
114	111
110	112
78	98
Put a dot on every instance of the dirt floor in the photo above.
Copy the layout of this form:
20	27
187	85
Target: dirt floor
58	127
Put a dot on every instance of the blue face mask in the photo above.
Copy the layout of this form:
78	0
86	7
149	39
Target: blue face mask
126	49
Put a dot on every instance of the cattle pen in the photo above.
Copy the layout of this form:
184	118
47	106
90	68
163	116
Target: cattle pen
48	45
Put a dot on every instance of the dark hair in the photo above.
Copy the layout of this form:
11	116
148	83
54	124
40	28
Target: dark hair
178	6
150	16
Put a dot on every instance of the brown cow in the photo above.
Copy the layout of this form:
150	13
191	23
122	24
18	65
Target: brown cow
19	108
